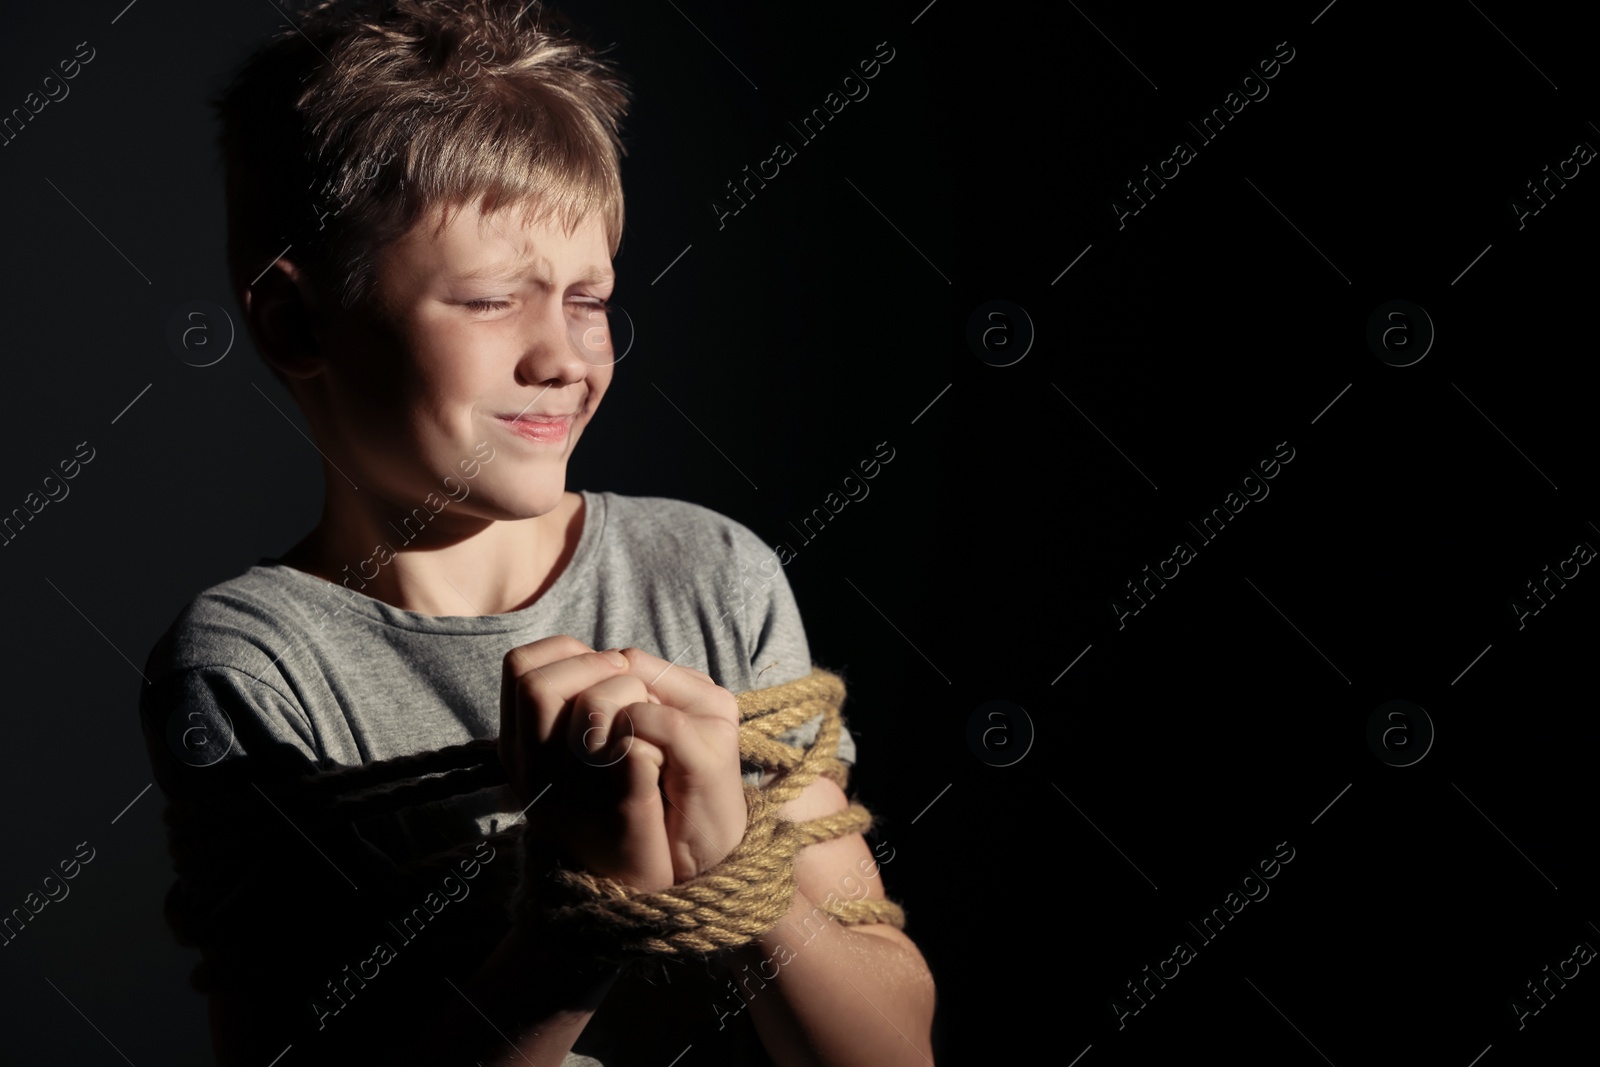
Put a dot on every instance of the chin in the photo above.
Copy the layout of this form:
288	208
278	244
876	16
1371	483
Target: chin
526	502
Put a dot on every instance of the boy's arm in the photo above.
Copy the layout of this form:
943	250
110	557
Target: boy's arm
523	991
524	1004
821	993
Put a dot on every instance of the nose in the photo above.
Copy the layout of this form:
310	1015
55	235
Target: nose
553	354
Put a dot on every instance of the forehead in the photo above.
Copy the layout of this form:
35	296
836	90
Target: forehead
461	243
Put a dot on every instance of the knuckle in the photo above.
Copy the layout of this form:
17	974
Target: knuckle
589	704
533	683
670	728
725	702
729	739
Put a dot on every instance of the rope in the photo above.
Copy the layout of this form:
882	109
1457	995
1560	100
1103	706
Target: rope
744	896
751	890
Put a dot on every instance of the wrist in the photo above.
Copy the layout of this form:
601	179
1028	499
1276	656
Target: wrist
559	963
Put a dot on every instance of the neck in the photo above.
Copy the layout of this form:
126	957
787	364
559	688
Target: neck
438	563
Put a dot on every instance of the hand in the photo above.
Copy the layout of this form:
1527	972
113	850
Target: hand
696	730
564	724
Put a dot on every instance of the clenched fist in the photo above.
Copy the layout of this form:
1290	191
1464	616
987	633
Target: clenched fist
634	761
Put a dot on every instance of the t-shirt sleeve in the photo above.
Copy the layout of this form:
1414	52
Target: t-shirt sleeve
281	886
264	881
777	633
199	721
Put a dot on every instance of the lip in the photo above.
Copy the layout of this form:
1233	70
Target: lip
543	428
538	416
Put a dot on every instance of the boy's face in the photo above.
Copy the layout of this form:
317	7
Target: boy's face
481	333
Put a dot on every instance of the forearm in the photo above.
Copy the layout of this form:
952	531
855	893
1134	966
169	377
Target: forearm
525	1003
540	1002
825	995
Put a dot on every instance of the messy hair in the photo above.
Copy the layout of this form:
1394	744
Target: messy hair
340	133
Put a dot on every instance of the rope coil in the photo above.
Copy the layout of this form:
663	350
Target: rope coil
751	890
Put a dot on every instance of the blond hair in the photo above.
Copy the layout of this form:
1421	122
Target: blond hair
340	134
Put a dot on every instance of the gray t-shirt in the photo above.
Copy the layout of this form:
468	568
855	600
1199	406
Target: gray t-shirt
280	659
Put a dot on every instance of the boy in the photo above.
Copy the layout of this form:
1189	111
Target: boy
438	315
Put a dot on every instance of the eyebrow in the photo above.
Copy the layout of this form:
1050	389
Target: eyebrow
512	270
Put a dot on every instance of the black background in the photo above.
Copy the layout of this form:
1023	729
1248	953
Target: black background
827	317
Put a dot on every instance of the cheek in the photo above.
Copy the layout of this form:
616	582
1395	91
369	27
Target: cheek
409	376
599	380
454	377
589	334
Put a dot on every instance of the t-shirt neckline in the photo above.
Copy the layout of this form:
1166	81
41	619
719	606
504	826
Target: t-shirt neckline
339	596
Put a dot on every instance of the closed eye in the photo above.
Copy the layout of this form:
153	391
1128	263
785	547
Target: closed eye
483	306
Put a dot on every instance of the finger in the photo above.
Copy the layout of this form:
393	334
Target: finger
682	687
689	749
635	765
590	729
649	666
508	712
545	650
638	761
653	669
541	693
517	662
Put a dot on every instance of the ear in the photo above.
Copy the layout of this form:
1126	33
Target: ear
285	317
